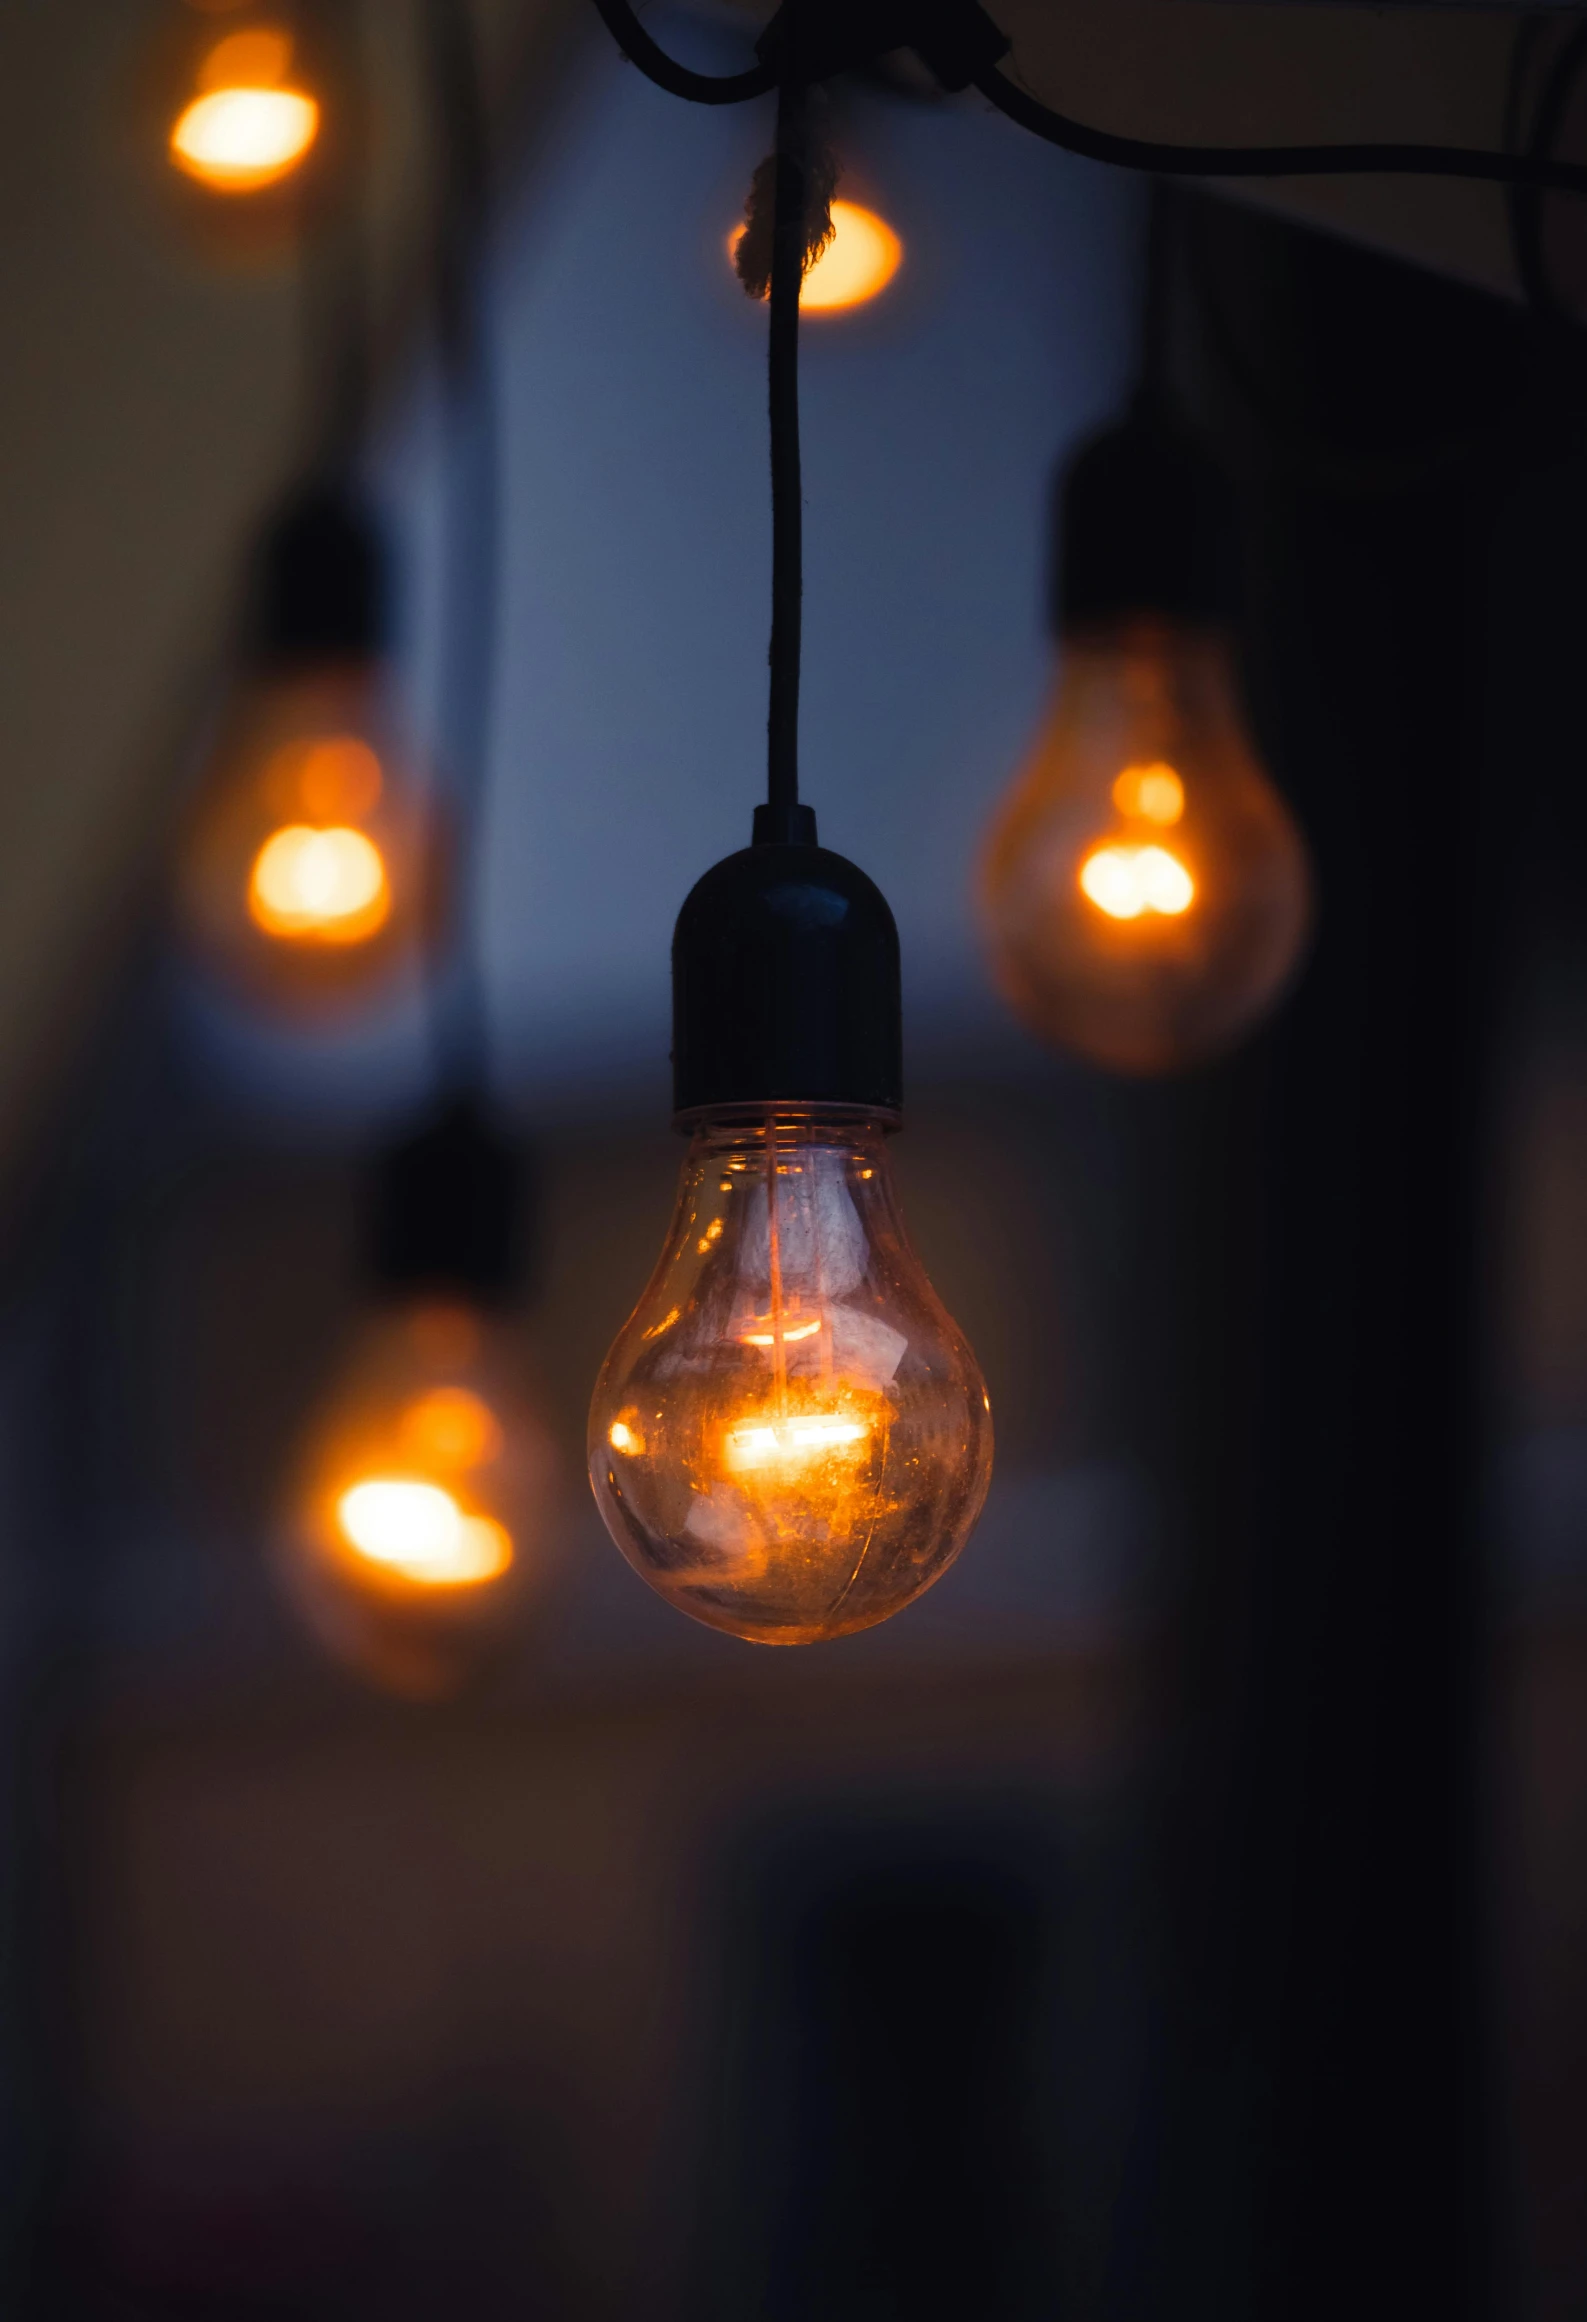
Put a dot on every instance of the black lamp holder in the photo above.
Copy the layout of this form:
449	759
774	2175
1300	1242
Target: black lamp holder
447	1215
322	580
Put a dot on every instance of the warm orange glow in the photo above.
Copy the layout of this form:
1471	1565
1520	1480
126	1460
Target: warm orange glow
319	886
1134	882
1150	794
796	1446
857	264
245	129
451	1428
418	1530
256	59
791	1445
337	779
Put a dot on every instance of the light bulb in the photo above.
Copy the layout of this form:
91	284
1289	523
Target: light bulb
310	868
246	126
1144	887
856	266
790	1439
311	874
425	1500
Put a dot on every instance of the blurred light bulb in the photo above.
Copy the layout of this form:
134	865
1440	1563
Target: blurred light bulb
309	872
790	1438
425	1501
245	128
1144	888
856	266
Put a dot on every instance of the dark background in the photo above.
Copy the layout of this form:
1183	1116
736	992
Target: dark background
1207	1941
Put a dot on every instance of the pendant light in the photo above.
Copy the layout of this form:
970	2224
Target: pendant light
248	119
790	1438
1144	888
311	877
424	1508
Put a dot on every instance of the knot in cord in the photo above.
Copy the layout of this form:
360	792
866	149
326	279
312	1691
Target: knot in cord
818	170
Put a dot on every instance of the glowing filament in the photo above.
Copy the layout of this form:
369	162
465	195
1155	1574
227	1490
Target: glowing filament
791	1332
326	885
857	264
236	140
419	1531
1150	794
622	1437
791	1443
1127	882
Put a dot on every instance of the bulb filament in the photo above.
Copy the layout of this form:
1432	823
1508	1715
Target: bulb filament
1130	882
418	1531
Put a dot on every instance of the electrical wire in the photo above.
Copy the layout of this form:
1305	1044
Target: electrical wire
787	511
472	551
678	80
1391	160
1165	160
1526	199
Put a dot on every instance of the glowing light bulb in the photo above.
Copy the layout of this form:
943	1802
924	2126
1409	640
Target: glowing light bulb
247	127
856	266
790	1439
1144	888
309	871
425	1501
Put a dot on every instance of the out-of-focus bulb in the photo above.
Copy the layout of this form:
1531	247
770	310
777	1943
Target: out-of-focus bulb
790	1438
246	127
309	873
425	1501
1144	888
856	266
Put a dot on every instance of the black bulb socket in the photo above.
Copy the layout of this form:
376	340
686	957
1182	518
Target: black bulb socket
1145	526
322	581
447	1210
785	982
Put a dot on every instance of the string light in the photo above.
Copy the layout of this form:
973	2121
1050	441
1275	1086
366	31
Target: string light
311	870
790	1438
247	126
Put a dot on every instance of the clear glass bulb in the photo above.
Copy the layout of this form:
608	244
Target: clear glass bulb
310	874
790	1439
424	1507
1144	888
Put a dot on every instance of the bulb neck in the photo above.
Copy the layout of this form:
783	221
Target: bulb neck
786	987
447	1211
322	582
1144	526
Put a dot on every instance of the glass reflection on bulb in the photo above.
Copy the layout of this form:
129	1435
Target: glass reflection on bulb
1144	888
311	869
790	1439
426	1500
246	127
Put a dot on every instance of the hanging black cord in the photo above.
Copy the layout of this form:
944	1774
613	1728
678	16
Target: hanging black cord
1275	160
1355	160
787	511
472	528
1526	203
332	229
678	80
